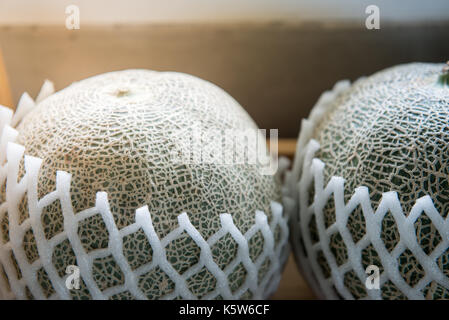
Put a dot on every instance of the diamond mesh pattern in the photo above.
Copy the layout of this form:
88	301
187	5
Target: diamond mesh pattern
333	285
43	232
344	223
29	283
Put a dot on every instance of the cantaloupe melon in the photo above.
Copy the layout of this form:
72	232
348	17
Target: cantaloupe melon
388	132
117	133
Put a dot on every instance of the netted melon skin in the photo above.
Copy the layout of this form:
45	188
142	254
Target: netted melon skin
379	149
117	134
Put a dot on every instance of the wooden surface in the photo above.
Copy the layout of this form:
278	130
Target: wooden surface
292	285
275	71
286	147
5	90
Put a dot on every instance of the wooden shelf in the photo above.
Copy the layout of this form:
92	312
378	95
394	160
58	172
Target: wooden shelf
5	90
292	285
286	147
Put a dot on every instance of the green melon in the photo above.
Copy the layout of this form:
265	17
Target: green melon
116	133
389	132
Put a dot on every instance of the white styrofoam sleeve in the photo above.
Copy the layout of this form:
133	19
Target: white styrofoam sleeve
47	89
25	105
306	251
308	171
11	154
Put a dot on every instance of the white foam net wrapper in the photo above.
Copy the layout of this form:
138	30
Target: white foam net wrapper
25	276
334	254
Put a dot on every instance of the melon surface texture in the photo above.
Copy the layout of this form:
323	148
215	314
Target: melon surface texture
117	133
374	186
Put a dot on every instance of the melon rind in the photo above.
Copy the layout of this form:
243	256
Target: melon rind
44	245
362	212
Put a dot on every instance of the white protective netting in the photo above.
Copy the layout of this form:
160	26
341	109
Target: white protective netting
40	279
314	240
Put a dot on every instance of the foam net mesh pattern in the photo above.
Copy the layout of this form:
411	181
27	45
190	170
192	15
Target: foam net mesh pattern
333	283
335	273
24	276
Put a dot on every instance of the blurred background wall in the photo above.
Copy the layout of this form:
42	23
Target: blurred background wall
181	11
274	56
